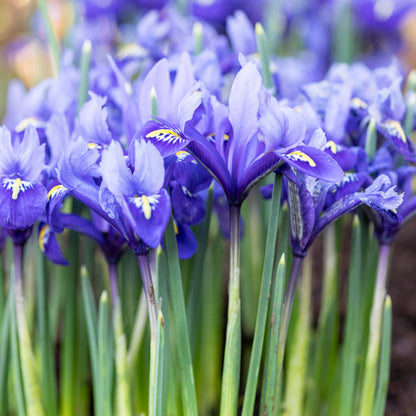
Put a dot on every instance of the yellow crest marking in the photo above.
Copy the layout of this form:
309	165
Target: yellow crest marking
16	188
42	234
358	103
298	155
396	125
175	227
147	209
161	132
55	190
332	145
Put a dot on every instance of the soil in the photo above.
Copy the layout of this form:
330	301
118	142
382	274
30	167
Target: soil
401	400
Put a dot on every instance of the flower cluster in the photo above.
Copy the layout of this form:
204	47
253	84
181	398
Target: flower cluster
176	103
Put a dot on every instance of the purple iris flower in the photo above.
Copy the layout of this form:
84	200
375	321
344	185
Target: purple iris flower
241	33
251	138
310	212
126	190
23	196
381	15
135	191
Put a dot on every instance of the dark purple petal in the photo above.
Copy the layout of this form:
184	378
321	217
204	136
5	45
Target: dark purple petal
148	215
166	137
186	241
302	218
188	172
21	203
49	245
256	171
208	156
393	131
313	162
188	208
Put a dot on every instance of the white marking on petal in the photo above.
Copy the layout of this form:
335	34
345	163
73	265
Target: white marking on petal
16	185
146	204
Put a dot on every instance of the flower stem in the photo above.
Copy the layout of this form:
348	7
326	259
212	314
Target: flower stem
123	403
46	348
232	354
350	349
179	322
253	372
31	382
156	338
287	310
373	347
299	346
50	35
383	382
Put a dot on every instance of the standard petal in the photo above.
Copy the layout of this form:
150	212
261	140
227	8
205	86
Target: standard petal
243	107
116	175
149	171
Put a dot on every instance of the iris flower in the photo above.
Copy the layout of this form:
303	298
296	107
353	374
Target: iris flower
23	196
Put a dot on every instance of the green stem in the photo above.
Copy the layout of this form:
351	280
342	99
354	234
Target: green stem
352	324
371	139
84	71
31	382
232	354
270	392
50	35
138	331
373	348
156	338
179	321
384	371
255	359
15	358
264	52
4	355
123	404
46	348
68	278
104	365
326	342
287	310
92	325
299	346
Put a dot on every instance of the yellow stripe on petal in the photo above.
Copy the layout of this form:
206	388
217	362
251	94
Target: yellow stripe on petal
163	132
396	125
43	236
332	145
298	155
56	189
16	188
147	209
358	103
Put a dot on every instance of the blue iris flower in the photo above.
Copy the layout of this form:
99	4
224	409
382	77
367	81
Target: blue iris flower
23	195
